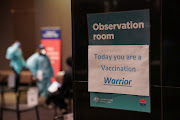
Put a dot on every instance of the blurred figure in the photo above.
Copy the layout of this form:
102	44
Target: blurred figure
40	66
67	80
64	91
17	62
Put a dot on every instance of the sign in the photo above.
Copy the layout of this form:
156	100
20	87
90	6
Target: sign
121	69
54	87
51	39
11	81
32	96
118	60
120	101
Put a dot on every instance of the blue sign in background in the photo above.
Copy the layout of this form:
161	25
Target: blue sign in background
140	36
50	33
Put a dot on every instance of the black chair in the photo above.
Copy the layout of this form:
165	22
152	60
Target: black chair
20	105
68	100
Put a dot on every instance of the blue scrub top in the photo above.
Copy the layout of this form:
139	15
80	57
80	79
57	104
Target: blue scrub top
15	55
40	62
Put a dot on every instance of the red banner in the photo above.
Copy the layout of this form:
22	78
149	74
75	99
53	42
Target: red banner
52	42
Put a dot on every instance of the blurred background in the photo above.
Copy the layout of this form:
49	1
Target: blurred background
22	20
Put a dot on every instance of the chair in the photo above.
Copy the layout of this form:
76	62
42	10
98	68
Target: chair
20	105
68	101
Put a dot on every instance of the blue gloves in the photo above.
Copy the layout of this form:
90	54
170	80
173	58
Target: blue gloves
18	44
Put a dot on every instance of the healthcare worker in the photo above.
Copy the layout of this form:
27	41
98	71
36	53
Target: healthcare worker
17	62
40	66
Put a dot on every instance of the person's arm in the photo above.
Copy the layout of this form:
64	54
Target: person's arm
10	53
22	60
67	80
31	64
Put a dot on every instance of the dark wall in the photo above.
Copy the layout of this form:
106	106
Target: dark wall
17	24
6	31
164	81
170	60
24	25
50	13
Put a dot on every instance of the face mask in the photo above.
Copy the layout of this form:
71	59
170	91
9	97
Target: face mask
43	52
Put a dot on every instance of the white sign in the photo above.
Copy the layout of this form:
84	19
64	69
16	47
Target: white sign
32	96
11	81
54	87
122	69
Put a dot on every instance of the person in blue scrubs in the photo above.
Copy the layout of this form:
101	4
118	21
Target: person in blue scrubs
40	66
17	62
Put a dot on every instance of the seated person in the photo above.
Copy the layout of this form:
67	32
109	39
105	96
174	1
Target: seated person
64	91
